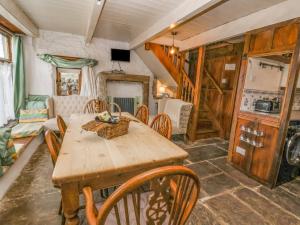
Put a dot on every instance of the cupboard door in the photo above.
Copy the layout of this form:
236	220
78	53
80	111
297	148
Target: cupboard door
285	37
242	152
263	158
261	42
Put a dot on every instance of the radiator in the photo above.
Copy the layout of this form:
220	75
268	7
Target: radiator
126	104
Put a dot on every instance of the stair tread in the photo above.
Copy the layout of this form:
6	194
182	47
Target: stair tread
204	120
205	130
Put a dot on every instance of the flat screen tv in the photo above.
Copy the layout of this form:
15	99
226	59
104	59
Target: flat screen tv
120	55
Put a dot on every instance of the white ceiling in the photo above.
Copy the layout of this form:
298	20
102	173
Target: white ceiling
70	16
226	12
120	19
124	20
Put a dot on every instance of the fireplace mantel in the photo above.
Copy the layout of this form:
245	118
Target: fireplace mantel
108	76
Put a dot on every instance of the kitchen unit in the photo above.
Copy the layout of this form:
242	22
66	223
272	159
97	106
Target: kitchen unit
259	128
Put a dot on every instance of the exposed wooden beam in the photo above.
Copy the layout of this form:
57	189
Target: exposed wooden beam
93	20
187	10
12	12
284	11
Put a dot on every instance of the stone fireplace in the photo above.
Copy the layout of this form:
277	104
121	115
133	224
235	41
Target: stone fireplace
142	80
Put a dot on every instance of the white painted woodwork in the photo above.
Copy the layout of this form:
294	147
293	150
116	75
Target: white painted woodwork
69	16
123	20
12	12
85	156
93	21
224	13
281	12
186	10
153	63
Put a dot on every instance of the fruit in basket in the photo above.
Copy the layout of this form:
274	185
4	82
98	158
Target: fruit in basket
105	116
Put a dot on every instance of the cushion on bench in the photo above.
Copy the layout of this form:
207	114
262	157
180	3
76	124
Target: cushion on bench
26	130
33	115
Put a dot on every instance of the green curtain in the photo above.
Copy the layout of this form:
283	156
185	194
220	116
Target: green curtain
69	64
18	75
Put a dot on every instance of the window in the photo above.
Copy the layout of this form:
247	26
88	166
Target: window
68	82
6	83
5	47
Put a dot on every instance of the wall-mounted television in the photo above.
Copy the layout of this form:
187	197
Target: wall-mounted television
120	55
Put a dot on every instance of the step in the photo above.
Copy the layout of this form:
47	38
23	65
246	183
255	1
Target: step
204	123
203	114
207	133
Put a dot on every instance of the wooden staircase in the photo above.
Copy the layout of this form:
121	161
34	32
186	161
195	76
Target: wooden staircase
172	62
204	121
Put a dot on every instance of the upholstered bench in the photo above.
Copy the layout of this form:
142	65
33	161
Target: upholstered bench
64	106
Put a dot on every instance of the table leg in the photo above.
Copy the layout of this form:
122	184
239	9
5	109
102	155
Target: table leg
70	203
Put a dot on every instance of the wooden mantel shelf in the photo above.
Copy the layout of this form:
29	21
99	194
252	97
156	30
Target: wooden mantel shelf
144	79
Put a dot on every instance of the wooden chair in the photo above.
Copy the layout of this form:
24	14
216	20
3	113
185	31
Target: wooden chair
98	106
95	106
172	195
163	125
61	125
143	114
53	145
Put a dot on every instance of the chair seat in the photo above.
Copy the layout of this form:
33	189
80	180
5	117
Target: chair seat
51	124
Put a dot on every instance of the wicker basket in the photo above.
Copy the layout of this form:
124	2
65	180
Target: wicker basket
108	130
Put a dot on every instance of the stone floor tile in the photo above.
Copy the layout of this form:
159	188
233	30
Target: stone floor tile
243	179
31	208
232	211
272	213
222	164
201	216
204	169
204	153
217	184
224	146
293	186
283	198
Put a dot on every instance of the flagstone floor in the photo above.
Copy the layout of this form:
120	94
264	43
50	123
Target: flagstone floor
227	195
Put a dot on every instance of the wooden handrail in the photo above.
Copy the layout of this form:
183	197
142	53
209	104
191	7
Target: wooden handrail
187	77
214	82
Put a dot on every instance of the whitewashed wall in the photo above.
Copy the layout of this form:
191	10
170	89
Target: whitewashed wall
265	79
39	74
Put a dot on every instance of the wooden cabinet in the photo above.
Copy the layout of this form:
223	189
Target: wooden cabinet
254	145
263	157
278	38
262	162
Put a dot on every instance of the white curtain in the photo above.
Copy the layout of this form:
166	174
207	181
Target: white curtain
6	94
88	82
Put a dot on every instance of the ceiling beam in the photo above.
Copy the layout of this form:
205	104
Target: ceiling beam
185	11
286	10
12	12
93	20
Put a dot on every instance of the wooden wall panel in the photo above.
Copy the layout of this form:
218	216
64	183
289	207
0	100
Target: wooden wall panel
261	42
285	37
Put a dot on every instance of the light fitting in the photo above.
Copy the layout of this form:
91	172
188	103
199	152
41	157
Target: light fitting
173	48
98	2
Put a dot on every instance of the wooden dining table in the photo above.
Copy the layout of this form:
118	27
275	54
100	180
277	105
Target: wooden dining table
86	159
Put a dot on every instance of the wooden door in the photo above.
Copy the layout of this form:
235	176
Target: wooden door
224	70
263	158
